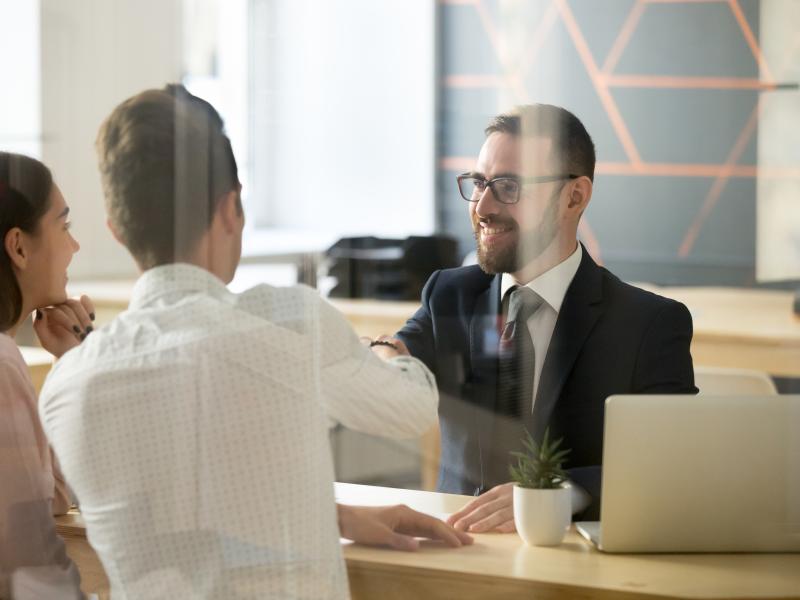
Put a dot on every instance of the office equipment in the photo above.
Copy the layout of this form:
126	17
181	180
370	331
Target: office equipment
387	269
701	474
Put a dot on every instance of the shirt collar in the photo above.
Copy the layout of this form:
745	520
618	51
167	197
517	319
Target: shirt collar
175	279
551	285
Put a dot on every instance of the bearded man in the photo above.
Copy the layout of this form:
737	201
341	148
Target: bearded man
537	335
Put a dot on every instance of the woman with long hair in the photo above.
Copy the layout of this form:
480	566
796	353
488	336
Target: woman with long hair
37	248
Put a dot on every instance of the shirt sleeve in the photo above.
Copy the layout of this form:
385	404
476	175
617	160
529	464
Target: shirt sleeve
397	398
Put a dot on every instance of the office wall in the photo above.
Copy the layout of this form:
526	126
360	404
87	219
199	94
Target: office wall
778	210
94	54
668	91
343	116
20	119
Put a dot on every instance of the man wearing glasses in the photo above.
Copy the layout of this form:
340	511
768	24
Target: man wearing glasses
536	335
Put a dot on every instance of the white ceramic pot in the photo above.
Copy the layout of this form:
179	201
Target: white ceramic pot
543	516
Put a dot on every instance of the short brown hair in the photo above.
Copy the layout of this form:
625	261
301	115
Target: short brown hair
573	149
165	163
25	187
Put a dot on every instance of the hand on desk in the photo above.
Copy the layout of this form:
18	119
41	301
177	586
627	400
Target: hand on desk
395	526
493	509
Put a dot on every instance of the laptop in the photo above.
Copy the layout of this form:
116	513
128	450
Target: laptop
700	474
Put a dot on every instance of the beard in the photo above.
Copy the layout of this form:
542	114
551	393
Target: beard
523	247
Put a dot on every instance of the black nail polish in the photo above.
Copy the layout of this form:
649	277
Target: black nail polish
89	330
83	336
38	314
91	316
76	329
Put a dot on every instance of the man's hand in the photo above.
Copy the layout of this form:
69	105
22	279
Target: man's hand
494	509
395	526
62	327
385	352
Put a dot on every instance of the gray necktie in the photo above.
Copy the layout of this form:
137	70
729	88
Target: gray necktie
517	358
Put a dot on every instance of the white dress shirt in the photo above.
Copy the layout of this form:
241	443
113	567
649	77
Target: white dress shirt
552	286
193	430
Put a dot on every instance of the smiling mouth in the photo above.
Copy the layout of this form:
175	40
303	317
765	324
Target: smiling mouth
488	231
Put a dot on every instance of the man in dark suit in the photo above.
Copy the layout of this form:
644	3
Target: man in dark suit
536	335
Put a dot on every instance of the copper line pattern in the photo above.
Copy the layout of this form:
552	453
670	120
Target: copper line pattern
668	81
538	39
693	170
476	81
623	38
751	40
467	163
516	82
679	1
719	185
602	80
716	190
599	85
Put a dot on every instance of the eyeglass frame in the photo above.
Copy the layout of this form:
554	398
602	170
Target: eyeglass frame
519	180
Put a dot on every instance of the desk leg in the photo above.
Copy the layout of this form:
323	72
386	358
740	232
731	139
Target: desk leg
430	447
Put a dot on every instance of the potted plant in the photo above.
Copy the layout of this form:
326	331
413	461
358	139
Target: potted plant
543	495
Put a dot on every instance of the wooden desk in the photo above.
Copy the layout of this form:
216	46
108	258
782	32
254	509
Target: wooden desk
748	329
502	566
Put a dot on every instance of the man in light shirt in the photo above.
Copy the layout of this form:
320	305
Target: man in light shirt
537	335
193	429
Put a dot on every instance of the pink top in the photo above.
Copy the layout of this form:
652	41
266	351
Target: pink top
32	488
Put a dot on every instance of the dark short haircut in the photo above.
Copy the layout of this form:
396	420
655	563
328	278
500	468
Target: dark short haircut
165	163
25	187
573	149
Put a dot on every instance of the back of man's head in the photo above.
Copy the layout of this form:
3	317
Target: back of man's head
572	151
165	163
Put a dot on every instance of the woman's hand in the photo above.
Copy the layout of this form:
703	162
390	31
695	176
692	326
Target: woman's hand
62	327
383	351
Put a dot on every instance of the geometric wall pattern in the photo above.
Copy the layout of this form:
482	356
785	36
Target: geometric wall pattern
670	90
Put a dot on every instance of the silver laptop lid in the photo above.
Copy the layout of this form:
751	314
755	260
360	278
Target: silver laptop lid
701	474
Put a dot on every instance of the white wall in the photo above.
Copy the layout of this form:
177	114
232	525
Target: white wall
95	54
778	195
352	110
20	100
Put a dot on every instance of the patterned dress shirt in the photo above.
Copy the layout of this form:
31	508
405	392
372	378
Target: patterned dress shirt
194	432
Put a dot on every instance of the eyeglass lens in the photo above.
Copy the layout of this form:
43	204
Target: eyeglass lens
504	190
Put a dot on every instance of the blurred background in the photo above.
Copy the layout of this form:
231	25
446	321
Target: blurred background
351	118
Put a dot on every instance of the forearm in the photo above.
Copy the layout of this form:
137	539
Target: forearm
398	398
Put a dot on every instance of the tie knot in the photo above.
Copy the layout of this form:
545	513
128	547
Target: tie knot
523	302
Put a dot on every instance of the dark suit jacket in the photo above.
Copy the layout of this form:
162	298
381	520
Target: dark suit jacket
610	338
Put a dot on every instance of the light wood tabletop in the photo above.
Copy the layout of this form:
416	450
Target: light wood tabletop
501	565
747	329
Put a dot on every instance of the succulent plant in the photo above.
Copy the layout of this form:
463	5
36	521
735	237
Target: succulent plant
540	468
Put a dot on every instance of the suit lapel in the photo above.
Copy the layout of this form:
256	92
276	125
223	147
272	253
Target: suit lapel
579	312
484	350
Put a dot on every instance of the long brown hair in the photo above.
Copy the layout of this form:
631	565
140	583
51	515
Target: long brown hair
25	186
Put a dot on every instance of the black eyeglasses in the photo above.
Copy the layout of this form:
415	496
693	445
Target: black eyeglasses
504	189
